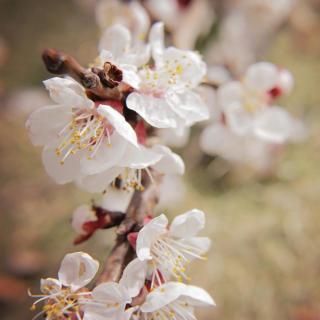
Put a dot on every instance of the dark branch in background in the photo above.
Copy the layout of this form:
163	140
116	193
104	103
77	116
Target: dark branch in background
142	204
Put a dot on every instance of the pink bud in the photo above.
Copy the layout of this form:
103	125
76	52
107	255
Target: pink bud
132	238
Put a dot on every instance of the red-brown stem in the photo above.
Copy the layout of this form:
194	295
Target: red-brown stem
60	63
141	205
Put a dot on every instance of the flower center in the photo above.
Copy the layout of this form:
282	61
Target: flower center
86	131
173	256
59	303
253	100
157	80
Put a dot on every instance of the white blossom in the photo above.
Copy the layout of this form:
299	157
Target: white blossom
218	140
165	97
168	249
130	14
171	300
248	105
107	301
62	297
163	160
117	47
82	140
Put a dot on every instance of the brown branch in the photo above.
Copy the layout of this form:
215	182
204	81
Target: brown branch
141	205
60	63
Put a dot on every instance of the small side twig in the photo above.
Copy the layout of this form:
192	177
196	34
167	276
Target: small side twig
60	63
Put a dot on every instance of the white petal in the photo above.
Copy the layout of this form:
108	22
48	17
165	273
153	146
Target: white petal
156	111
261	76
50	285
150	232
196	296
130	75
217	139
189	106
187	224
67	92
175	137
116	199
138	56
100	181
111	299
209	96
218	75
45	123
229	94
203	244
141	24
238	119
119	123
162	296
130	14
116	39
81	215
61	173
188	66
106	157
139	158
134	276
285	81
170	163
111	292
273	124
156	40
77	270
172	192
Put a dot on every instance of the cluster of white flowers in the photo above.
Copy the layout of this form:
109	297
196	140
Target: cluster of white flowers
247	125
91	143
91	140
154	95
177	15
151	287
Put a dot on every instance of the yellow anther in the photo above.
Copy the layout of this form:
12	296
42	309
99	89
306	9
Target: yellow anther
179	69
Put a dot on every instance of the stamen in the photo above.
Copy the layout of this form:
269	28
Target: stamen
86	131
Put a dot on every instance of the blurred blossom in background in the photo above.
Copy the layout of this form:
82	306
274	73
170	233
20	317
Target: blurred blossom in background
261	195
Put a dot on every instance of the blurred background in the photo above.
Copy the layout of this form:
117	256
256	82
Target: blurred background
265	259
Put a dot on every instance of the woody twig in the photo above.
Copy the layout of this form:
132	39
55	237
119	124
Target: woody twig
142	204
